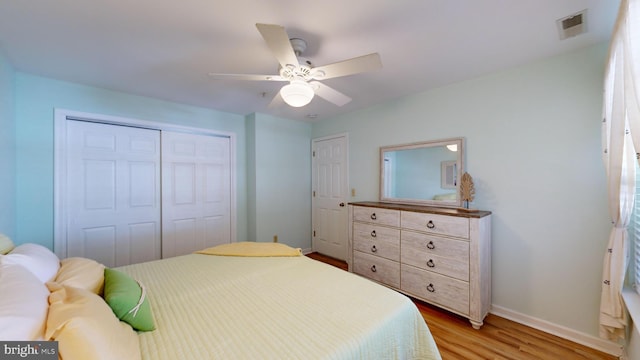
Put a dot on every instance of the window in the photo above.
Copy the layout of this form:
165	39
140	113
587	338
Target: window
620	110
631	292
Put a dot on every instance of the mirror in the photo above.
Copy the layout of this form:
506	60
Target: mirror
422	173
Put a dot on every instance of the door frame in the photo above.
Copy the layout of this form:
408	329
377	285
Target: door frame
60	164
344	135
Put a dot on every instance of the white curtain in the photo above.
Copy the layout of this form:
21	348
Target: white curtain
620	136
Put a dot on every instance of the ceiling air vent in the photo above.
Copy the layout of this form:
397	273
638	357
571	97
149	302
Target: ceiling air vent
572	25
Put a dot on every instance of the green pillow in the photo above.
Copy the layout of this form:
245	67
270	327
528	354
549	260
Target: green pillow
123	293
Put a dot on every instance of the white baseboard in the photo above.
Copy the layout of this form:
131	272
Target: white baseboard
594	342
306	251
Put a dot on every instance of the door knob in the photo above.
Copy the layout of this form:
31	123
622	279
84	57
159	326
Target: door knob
341	204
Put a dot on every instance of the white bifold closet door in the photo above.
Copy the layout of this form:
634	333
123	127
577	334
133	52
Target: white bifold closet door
113	193
135	194
196	192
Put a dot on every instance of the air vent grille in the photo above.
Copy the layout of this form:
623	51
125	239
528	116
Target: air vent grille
571	22
572	25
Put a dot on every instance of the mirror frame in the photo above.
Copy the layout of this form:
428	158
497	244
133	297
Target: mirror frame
459	141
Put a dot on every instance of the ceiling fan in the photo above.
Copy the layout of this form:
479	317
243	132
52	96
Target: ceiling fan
302	76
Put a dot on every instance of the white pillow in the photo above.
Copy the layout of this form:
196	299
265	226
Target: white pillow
43	263
6	244
23	304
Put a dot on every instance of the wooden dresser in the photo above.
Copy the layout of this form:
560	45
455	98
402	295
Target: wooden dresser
439	255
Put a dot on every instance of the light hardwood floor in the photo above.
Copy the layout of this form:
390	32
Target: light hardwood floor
498	338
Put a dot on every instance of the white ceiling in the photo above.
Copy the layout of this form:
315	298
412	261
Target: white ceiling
165	49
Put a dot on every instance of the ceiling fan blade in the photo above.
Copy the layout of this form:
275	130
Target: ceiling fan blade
278	42
247	77
352	66
277	101
330	94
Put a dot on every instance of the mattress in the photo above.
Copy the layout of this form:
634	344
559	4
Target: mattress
223	307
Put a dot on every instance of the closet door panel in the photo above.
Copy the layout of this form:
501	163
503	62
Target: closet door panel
196	191
216	230
95	242
142	180
183	180
99	174
113	193
146	247
187	229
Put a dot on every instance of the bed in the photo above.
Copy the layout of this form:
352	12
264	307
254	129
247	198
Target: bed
204	306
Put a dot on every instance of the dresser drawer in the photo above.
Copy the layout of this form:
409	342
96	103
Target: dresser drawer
441	265
435	224
376	215
439	289
377	268
377	240
427	245
445	256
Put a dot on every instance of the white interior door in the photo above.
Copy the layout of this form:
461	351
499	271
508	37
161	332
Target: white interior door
112	193
330	192
196	188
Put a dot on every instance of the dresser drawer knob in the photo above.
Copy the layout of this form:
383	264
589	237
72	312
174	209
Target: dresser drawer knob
373	216
431	288
430	263
431	225
374	249
373	233
373	268
431	245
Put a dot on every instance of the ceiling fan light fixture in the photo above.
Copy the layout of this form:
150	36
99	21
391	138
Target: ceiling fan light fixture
297	94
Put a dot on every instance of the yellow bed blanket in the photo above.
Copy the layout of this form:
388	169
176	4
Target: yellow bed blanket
231	307
252	249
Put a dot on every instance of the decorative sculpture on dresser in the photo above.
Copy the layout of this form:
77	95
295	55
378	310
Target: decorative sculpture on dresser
467	190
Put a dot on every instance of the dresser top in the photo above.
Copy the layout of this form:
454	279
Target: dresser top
424	209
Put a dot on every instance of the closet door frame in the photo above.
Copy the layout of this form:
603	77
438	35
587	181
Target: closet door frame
61	116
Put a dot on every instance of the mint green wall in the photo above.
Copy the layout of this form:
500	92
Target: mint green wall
250	122
7	149
533	149
36	98
280	163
